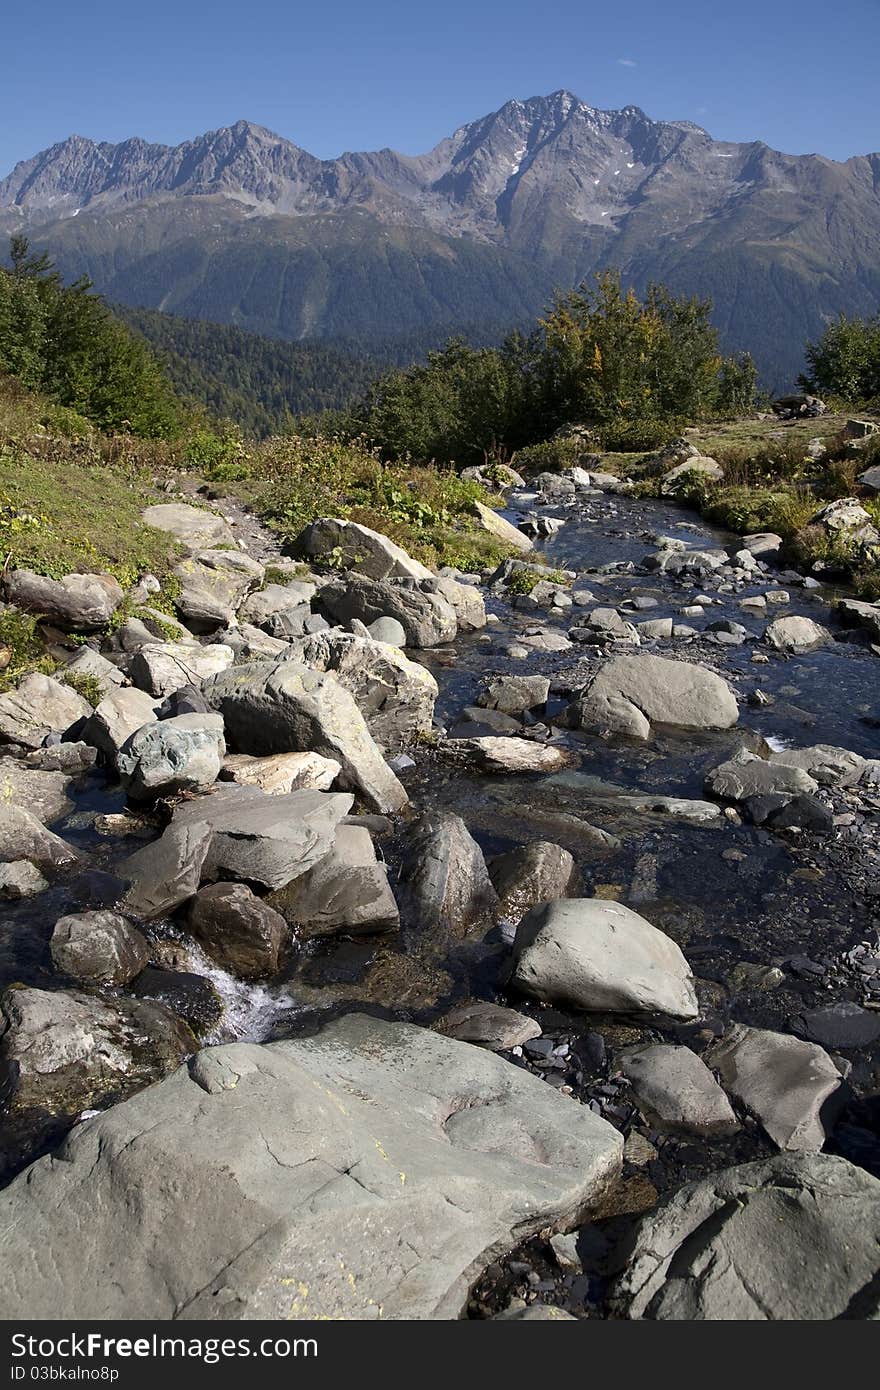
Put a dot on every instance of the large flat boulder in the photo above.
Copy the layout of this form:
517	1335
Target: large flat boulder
191	527
789	1239
629	694
395	695
161	668
346	891
283	707
600	955
368	1172
267	840
81	602
348	545
280	773
40	706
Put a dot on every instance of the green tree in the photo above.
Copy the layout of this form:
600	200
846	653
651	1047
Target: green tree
845	361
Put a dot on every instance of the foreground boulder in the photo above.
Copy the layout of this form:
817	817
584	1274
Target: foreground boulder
631	693
348	545
443	883
167	872
427	618
267	840
183	754
62	1052
119	715
82	602
790	1239
600	955
98	948
38	707
283	707
238	930
346	891
395	695
784	1082
676	1091
377	1165
213	585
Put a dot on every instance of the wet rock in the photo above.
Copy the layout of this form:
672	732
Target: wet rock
167	872
514	694
267	840
537	873
784	1082
264	1143
840	1025
488	1025
427	619
465	600
70	758
44	794
736	1245
98	948
346	891
748	975
240	932
175	755
20	879
542	639
119	715
280	773
506	755
638	1150
829	767
22	836
803	813
81	602
746	775
796	634
395	695
63	1052
609	626
284	707
500	528
443	882
191	997
191	527
676	1091
764	545
856	613
160	668
38	707
213	585
630	693
348	545
600	955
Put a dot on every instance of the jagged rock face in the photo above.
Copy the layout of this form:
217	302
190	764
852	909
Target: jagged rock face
532	195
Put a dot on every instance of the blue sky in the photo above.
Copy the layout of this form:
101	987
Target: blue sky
800	76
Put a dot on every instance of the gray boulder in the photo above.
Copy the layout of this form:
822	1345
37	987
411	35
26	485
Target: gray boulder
160	668
745	775
856	613
63	1052
192	527
465	600
20	879
631	693
828	766
395	695
38	707
443	882
22	836
280	773
166	872
427	619
784	1082
346	891
98	948
213	585
81	602
515	694
43	793
537	873
272	601
789	1239
676	1091
387	630
795	634
238	930
283	707
600	955
183	754
120	714
488	1025
267	840
500	529
377	1165
348	545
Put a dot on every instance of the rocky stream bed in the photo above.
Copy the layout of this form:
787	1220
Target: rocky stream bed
568	1006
